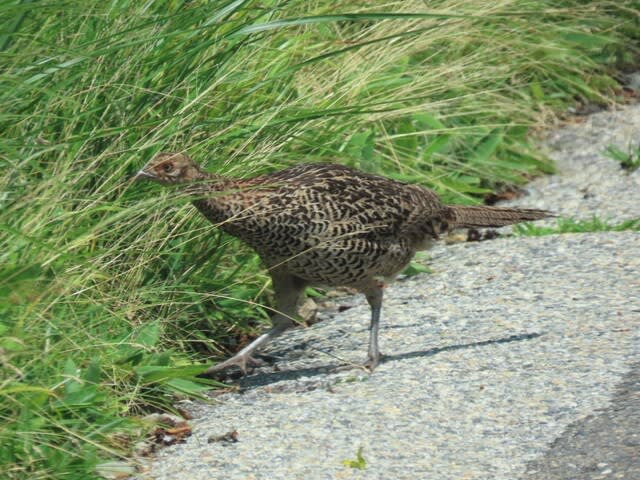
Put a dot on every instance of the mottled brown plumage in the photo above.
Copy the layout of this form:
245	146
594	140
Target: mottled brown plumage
326	225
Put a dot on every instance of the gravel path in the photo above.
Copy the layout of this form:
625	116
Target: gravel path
498	363
589	183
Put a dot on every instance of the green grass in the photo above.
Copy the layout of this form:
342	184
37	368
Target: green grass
110	291
359	463
570	225
629	160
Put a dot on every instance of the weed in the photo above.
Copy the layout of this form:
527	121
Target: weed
359	463
415	268
569	225
629	160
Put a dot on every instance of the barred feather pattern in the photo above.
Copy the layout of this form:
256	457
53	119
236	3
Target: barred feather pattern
482	216
333	225
323	224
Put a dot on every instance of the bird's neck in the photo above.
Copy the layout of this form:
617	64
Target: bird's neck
208	196
206	183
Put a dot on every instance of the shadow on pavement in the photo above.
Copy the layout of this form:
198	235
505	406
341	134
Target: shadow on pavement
264	378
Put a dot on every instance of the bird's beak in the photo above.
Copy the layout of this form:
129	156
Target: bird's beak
142	175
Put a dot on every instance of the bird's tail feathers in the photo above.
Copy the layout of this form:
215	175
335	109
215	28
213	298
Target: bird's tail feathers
463	216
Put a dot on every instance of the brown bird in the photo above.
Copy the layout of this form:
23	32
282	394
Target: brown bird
325	225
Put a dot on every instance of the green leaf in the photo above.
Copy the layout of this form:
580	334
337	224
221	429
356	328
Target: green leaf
93	373
464	183
347	17
588	40
224	12
425	119
487	147
359	463
438	145
407	141
152	374
149	334
188	387
313	293
70	372
536	91
81	397
12	344
30	389
415	268
361	147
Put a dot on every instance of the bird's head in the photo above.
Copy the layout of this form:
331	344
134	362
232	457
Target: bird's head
169	168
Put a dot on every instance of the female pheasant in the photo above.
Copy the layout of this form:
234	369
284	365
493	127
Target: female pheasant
325	225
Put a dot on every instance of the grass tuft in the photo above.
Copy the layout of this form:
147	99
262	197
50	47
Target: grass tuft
629	160
570	225
359	463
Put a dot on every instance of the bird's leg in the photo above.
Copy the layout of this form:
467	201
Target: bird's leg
243	358
373	293
289	293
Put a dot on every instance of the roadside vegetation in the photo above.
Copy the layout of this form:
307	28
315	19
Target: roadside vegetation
629	160
570	225
112	294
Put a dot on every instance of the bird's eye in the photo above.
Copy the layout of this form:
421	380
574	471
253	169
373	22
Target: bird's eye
167	167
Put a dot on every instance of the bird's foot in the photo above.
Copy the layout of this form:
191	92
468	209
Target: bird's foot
244	362
372	362
368	366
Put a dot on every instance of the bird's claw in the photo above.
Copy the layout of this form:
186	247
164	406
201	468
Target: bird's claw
244	362
372	362
368	366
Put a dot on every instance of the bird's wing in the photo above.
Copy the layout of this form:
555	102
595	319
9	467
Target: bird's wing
334	201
